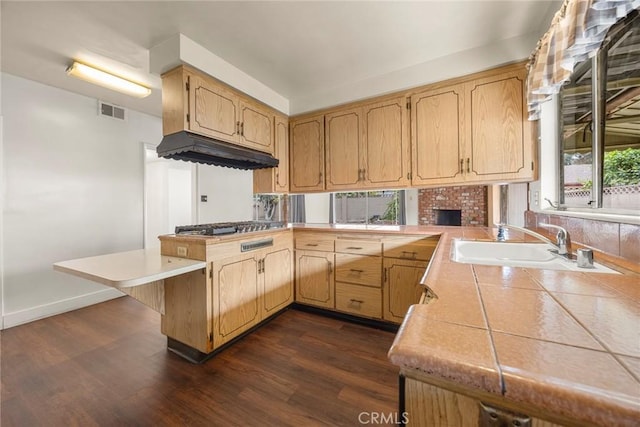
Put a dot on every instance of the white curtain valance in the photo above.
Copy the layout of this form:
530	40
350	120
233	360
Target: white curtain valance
577	31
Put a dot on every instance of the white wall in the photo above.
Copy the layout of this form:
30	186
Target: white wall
229	194
411	205
73	187
169	187
316	208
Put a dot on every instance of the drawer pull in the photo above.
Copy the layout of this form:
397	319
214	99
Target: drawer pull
355	248
386	274
356	270
356	301
411	254
312	244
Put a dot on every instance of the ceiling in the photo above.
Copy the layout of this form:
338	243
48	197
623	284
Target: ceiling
302	50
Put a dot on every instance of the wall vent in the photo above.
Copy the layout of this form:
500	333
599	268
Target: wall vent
110	110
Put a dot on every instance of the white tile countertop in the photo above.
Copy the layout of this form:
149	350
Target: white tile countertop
127	269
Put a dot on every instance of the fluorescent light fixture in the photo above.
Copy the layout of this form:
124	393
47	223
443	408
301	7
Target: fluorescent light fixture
102	78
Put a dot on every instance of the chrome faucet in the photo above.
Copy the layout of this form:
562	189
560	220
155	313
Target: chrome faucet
563	240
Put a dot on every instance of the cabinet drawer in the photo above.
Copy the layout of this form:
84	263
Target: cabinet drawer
362	247
360	269
314	243
410	248
360	300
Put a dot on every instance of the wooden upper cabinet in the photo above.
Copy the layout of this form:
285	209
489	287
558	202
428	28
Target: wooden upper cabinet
276	180
386	159
368	147
343	145
282	153
500	139
306	150
437	131
473	131
196	102
256	127
213	110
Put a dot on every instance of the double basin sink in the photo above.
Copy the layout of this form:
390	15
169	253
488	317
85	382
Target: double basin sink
517	254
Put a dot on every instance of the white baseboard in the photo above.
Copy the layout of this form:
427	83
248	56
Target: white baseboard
40	312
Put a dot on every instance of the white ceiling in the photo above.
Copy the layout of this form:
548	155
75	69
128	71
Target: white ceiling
302	50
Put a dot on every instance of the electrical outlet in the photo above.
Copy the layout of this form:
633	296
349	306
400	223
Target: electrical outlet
536	198
182	251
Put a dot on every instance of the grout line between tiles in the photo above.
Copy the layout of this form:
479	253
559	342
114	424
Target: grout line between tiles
503	389
598	340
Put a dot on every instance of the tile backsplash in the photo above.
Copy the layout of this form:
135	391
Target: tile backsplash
614	238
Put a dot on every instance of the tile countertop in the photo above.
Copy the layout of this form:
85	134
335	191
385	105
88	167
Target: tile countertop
565	342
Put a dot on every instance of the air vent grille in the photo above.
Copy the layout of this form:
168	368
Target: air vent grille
110	110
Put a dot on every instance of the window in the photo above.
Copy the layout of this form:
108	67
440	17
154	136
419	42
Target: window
600	165
368	207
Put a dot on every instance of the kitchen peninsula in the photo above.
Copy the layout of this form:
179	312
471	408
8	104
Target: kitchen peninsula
554	347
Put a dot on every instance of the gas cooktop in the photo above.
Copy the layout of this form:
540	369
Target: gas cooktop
221	228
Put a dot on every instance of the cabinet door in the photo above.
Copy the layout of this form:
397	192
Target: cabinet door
236	294
306	148
437	118
315	279
278	281
343	141
275	180
401	287
386	159
256	127
282	154
500	143
213	110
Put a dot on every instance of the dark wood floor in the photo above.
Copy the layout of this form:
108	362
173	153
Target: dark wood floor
108	365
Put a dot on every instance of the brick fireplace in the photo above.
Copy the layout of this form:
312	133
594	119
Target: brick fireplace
470	200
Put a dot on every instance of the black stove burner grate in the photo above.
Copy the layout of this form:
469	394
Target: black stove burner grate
222	228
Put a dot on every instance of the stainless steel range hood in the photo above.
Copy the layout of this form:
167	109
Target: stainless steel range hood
190	147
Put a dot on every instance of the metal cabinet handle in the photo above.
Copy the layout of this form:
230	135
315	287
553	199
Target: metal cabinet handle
356	301
468	163
386	274
357	248
237	127
312	244
413	254
242	129
356	270
461	165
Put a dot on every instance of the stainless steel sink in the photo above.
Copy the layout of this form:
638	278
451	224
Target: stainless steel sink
516	254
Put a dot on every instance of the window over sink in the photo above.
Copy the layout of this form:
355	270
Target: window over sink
599	122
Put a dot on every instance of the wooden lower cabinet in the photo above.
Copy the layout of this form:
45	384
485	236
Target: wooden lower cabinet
206	309
277	290
429	405
249	288
359	269
401	287
359	300
236	289
365	275
315	278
